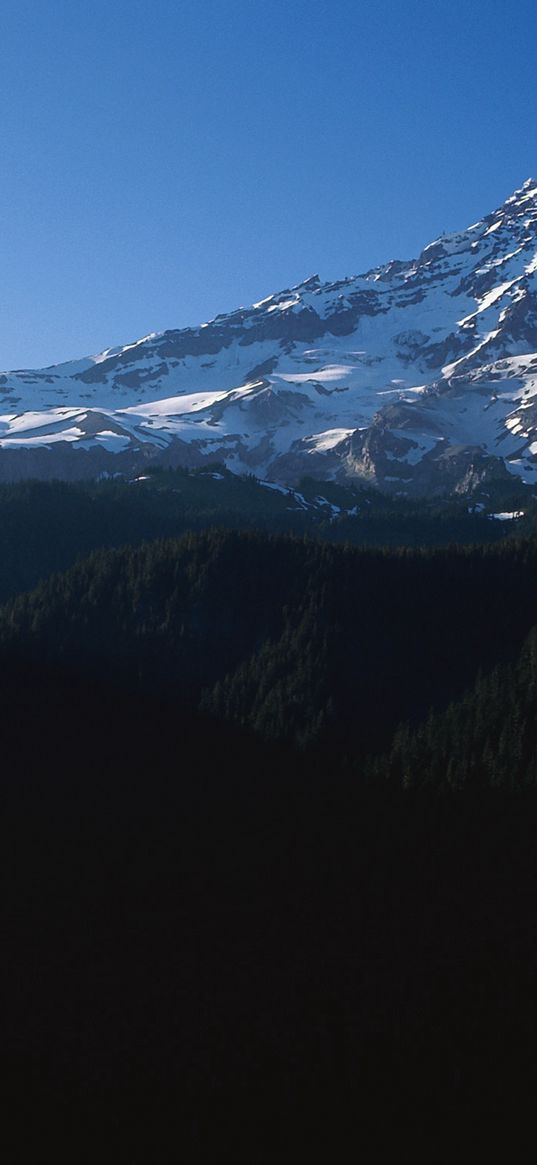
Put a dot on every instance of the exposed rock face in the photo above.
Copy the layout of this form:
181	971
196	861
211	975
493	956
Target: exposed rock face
419	377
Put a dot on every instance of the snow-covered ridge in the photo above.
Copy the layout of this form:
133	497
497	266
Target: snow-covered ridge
418	375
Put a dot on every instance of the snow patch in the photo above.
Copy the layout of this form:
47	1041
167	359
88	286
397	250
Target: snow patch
507	516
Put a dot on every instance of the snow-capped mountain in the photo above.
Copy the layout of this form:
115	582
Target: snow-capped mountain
418	376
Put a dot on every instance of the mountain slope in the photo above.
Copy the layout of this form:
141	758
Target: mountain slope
418	377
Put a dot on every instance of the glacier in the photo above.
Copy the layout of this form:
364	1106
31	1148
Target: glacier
418	377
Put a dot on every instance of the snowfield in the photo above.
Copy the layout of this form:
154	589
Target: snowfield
418	376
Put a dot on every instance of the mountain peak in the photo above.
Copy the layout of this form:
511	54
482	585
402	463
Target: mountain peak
417	376
312	282
524	193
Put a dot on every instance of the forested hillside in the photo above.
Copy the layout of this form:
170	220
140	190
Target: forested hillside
268	830
487	739
297	641
46	526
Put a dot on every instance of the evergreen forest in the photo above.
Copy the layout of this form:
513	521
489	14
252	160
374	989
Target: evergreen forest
269	809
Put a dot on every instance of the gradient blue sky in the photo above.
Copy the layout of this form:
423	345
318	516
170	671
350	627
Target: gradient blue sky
164	161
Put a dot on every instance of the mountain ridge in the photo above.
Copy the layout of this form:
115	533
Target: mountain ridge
418	377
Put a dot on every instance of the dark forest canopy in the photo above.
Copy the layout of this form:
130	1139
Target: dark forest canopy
46	526
302	642
268	821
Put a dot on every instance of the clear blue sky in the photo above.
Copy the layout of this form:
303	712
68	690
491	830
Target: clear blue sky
163	161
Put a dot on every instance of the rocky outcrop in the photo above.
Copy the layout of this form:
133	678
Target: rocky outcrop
419	376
